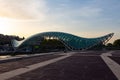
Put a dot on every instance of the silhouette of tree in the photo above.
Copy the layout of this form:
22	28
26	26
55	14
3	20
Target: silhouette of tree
6	39
116	43
109	45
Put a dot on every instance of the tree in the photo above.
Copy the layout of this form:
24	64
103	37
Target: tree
109	45
116	43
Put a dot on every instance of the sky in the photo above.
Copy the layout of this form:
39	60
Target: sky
84	18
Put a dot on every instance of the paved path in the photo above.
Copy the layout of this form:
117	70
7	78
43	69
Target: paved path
75	66
24	56
115	67
20	71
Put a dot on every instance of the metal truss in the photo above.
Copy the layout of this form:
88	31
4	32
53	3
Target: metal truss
71	41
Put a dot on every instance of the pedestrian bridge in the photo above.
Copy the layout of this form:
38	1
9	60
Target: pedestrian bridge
71	41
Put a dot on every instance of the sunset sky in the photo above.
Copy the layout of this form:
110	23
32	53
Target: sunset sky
85	18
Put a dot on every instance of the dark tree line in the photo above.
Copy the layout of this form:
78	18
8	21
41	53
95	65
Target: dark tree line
6	39
114	45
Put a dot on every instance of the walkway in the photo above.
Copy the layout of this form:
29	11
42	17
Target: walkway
19	71
114	66
91	65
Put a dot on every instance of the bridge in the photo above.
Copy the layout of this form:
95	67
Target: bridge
71	41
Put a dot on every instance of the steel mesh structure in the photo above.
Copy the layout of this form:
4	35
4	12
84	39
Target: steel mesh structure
71	41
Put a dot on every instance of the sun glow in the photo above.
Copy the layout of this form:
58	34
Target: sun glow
5	25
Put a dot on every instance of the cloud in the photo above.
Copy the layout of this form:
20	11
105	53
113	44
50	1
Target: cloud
89	11
23	9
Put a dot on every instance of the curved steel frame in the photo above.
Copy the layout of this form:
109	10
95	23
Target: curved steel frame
71	41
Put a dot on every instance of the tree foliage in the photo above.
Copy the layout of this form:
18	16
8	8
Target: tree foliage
6	39
116	43
114	46
109	45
